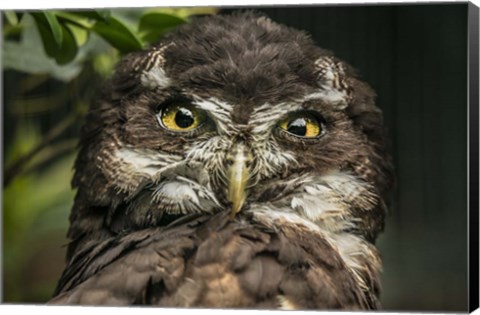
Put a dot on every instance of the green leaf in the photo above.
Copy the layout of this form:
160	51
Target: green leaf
185	12
118	35
64	52
79	20
54	26
154	25
12	30
104	14
50	25
97	15
69	48
11	17
80	34
28	56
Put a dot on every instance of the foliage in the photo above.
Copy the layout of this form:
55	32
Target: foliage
70	38
50	60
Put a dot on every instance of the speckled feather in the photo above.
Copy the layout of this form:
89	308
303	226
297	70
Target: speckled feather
212	261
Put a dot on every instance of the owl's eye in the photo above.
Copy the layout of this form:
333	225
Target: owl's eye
181	117
302	125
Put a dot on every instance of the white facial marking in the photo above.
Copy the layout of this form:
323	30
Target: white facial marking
331	96
145	161
263	119
153	75
215	105
270	159
183	195
323	210
267	116
207	151
155	78
332	89
326	200
220	112
176	190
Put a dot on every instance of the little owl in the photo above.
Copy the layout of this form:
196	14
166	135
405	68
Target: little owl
233	164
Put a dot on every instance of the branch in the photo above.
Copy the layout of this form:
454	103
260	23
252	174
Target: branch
18	166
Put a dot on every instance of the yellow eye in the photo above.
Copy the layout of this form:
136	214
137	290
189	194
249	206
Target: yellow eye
302	125
181	117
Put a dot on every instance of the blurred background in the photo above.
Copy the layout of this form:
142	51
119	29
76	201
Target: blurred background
414	56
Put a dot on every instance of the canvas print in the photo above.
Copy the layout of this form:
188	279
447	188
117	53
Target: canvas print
287	158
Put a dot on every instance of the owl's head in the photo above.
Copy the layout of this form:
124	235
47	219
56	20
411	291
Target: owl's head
232	113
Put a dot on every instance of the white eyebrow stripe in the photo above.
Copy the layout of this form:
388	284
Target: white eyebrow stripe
220	111
330	95
263	118
214	105
266	116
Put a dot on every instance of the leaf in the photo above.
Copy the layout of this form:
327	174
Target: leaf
185	12
118	35
12	30
104	14
80	34
63	53
16	56
97	15
28	55
31	59
154	25
11	17
51	28
69	48
63	48
79	20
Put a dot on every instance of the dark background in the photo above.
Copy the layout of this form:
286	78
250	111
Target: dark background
414	56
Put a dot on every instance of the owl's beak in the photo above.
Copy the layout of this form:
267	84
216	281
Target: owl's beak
238	175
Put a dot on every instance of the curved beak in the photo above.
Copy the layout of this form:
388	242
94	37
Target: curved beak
238	175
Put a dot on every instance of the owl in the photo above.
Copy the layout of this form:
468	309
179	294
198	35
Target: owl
234	164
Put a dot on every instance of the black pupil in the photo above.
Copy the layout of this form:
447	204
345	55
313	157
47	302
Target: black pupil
298	127
184	118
